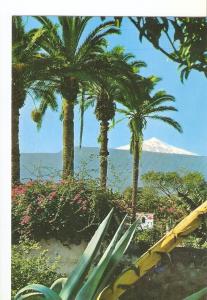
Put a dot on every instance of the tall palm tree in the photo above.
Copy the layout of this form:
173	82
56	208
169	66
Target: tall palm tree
138	114
77	56
105	111
28	69
105	93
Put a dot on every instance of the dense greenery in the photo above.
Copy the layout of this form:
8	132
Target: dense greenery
30	264
170	197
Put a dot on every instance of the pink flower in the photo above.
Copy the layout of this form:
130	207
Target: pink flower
19	190
77	198
26	219
171	209
52	195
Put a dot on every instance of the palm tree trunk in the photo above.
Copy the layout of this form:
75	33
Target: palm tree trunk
68	138
18	97
135	178
15	146
104	127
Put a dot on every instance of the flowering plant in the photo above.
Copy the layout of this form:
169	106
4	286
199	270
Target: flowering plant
69	209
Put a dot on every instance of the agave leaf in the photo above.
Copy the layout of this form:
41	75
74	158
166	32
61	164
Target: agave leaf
75	280
198	295
32	296
58	284
45	291
117	254
89	288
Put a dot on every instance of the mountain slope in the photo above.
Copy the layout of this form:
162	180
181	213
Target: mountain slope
48	165
155	145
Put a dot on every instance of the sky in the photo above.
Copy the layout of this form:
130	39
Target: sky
191	102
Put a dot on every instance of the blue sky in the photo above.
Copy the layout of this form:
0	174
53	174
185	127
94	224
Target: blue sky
191	102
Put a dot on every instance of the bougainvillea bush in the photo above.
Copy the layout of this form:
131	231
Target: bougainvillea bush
70	210
67	210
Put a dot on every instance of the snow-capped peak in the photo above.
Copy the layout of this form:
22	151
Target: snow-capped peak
155	145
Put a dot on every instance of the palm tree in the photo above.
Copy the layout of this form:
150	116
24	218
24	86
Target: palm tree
77	60
105	111
138	114
28	71
105	93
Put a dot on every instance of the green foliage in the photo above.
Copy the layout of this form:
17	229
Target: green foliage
80	285
68	210
170	197
29	65
30	264
185	40
190	189
105	108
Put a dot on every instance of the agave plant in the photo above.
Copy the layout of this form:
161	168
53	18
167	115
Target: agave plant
198	295
86	282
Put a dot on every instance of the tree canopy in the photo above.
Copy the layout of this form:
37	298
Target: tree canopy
182	40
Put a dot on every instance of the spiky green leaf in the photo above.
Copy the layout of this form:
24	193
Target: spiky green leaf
117	254
58	284
89	288
75	280
45	291
198	295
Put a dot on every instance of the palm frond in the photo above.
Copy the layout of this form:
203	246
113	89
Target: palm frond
160	109
52	42
95	41
169	121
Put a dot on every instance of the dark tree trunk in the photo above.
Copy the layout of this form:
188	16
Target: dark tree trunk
135	177
18	97
15	146
104	127
68	138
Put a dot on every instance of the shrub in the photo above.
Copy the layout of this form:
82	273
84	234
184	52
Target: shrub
168	196
67	210
28	269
